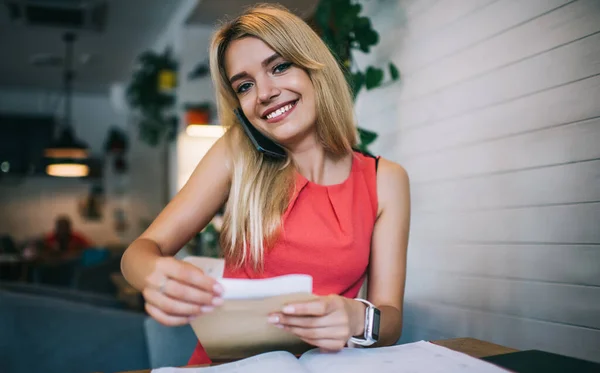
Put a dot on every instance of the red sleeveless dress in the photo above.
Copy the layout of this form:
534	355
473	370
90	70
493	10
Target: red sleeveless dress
326	234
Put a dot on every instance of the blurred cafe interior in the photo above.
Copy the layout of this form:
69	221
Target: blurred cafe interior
492	106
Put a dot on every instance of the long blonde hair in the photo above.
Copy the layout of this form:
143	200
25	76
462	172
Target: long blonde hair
261	186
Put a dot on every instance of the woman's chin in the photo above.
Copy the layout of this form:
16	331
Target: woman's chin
284	133
295	140
289	133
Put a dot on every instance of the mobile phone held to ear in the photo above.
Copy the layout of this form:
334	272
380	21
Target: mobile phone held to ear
261	142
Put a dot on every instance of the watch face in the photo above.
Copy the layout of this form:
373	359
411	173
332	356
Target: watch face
376	318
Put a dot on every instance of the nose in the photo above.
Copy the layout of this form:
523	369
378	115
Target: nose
266	90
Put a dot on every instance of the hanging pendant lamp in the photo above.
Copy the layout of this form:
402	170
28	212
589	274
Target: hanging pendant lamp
66	155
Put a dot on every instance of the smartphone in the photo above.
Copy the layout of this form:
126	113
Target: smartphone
261	142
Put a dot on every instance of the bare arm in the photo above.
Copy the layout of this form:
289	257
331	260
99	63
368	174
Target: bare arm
387	271
148	262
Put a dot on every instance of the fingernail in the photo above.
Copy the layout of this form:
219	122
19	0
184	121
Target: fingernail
288	309
279	326
218	288
206	308
273	319
192	318
217	301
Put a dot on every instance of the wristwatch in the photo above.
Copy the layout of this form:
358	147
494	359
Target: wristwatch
372	319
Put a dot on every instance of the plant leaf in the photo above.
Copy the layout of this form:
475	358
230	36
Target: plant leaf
358	80
395	74
372	36
373	77
366	137
323	13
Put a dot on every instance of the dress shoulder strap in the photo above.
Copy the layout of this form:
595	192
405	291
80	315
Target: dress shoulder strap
367	154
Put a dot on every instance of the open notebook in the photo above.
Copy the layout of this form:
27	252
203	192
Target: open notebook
239	327
418	357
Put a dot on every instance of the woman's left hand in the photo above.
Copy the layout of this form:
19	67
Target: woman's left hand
327	322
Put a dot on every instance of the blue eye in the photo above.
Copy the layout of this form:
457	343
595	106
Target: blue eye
282	67
243	87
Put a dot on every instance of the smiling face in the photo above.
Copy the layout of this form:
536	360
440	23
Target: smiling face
276	96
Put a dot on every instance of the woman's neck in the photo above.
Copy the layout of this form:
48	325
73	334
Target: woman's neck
311	163
317	165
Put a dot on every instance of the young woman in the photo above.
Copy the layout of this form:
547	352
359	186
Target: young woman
324	210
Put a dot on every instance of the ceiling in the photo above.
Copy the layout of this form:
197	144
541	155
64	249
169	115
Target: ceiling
101	57
106	56
210	12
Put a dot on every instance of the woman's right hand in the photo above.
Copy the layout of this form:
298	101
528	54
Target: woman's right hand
176	292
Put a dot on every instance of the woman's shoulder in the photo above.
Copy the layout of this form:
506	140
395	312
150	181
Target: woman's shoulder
225	149
391	171
387	170
393	184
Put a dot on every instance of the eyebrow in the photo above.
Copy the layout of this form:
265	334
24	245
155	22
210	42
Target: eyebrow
265	62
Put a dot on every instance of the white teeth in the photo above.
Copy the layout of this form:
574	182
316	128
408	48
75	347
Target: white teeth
279	111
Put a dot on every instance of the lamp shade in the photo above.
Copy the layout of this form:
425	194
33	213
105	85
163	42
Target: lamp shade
67	169
67	146
66	154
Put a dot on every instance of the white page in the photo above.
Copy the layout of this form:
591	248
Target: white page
251	289
270	362
264	288
418	357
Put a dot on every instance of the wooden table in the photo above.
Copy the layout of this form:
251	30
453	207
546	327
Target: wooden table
470	346
474	347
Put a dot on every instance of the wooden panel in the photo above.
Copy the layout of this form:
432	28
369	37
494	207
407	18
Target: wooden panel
382	103
568	224
569	304
566	264
540	110
571	22
414	8
570	183
382	122
401	10
515	332
422	25
495	135
575	61
558	145
489	21
383	19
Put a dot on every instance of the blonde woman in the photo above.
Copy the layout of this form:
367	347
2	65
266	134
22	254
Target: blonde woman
322	209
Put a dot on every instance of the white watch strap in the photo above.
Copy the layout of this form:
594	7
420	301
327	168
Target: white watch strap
368	326
365	302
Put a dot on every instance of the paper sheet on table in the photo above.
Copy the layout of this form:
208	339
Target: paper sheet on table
418	357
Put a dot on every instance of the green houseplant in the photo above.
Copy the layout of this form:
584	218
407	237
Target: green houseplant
151	92
344	30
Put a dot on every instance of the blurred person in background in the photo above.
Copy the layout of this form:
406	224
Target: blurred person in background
64	242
